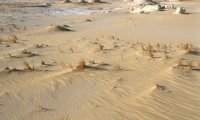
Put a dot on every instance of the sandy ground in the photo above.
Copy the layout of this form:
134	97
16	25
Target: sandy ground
105	66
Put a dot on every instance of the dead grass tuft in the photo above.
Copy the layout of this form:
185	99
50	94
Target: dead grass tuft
151	54
142	47
81	66
43	63
190	67
72	51
1	41
179	62
92	62
158	45
99	48
13	39
25	51
27	66
117	67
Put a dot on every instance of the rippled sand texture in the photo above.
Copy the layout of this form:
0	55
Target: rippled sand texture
102	66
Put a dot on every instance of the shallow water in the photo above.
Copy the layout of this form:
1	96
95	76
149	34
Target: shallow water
72	11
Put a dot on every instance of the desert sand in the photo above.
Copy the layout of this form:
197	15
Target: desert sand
100	63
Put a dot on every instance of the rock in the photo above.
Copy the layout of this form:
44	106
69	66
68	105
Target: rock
65	1
136	10
145	8
94	1
180	10
82	1
143	1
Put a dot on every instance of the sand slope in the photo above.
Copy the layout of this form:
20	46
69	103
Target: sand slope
138	67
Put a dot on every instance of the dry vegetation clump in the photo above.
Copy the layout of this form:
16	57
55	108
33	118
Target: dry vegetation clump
111	37
165	55
13	39
80	67
27	66
43	63
92	62
40	46
158	45
188	48
40	108
99	48
151	55
190	67
117	67
150	49
71	50
179	62
1	41
160	87
142	47
26	52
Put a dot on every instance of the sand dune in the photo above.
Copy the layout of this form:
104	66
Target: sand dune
119	66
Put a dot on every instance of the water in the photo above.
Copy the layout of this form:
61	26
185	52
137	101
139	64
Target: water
73	11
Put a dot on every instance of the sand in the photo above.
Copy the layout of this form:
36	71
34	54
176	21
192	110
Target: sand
104	66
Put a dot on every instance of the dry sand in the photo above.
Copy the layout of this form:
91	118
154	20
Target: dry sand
134	66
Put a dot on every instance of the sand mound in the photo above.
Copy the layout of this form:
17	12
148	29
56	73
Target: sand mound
57	28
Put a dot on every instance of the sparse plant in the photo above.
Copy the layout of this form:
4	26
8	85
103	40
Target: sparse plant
43	63
99	48
164	46
13	39
179	62
190	67
142	47
92	62
165	55
72	51
185	46
189	51
7	68
150	47
81	66
25	51
158	45
117	67
27	66
1	41
151	55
